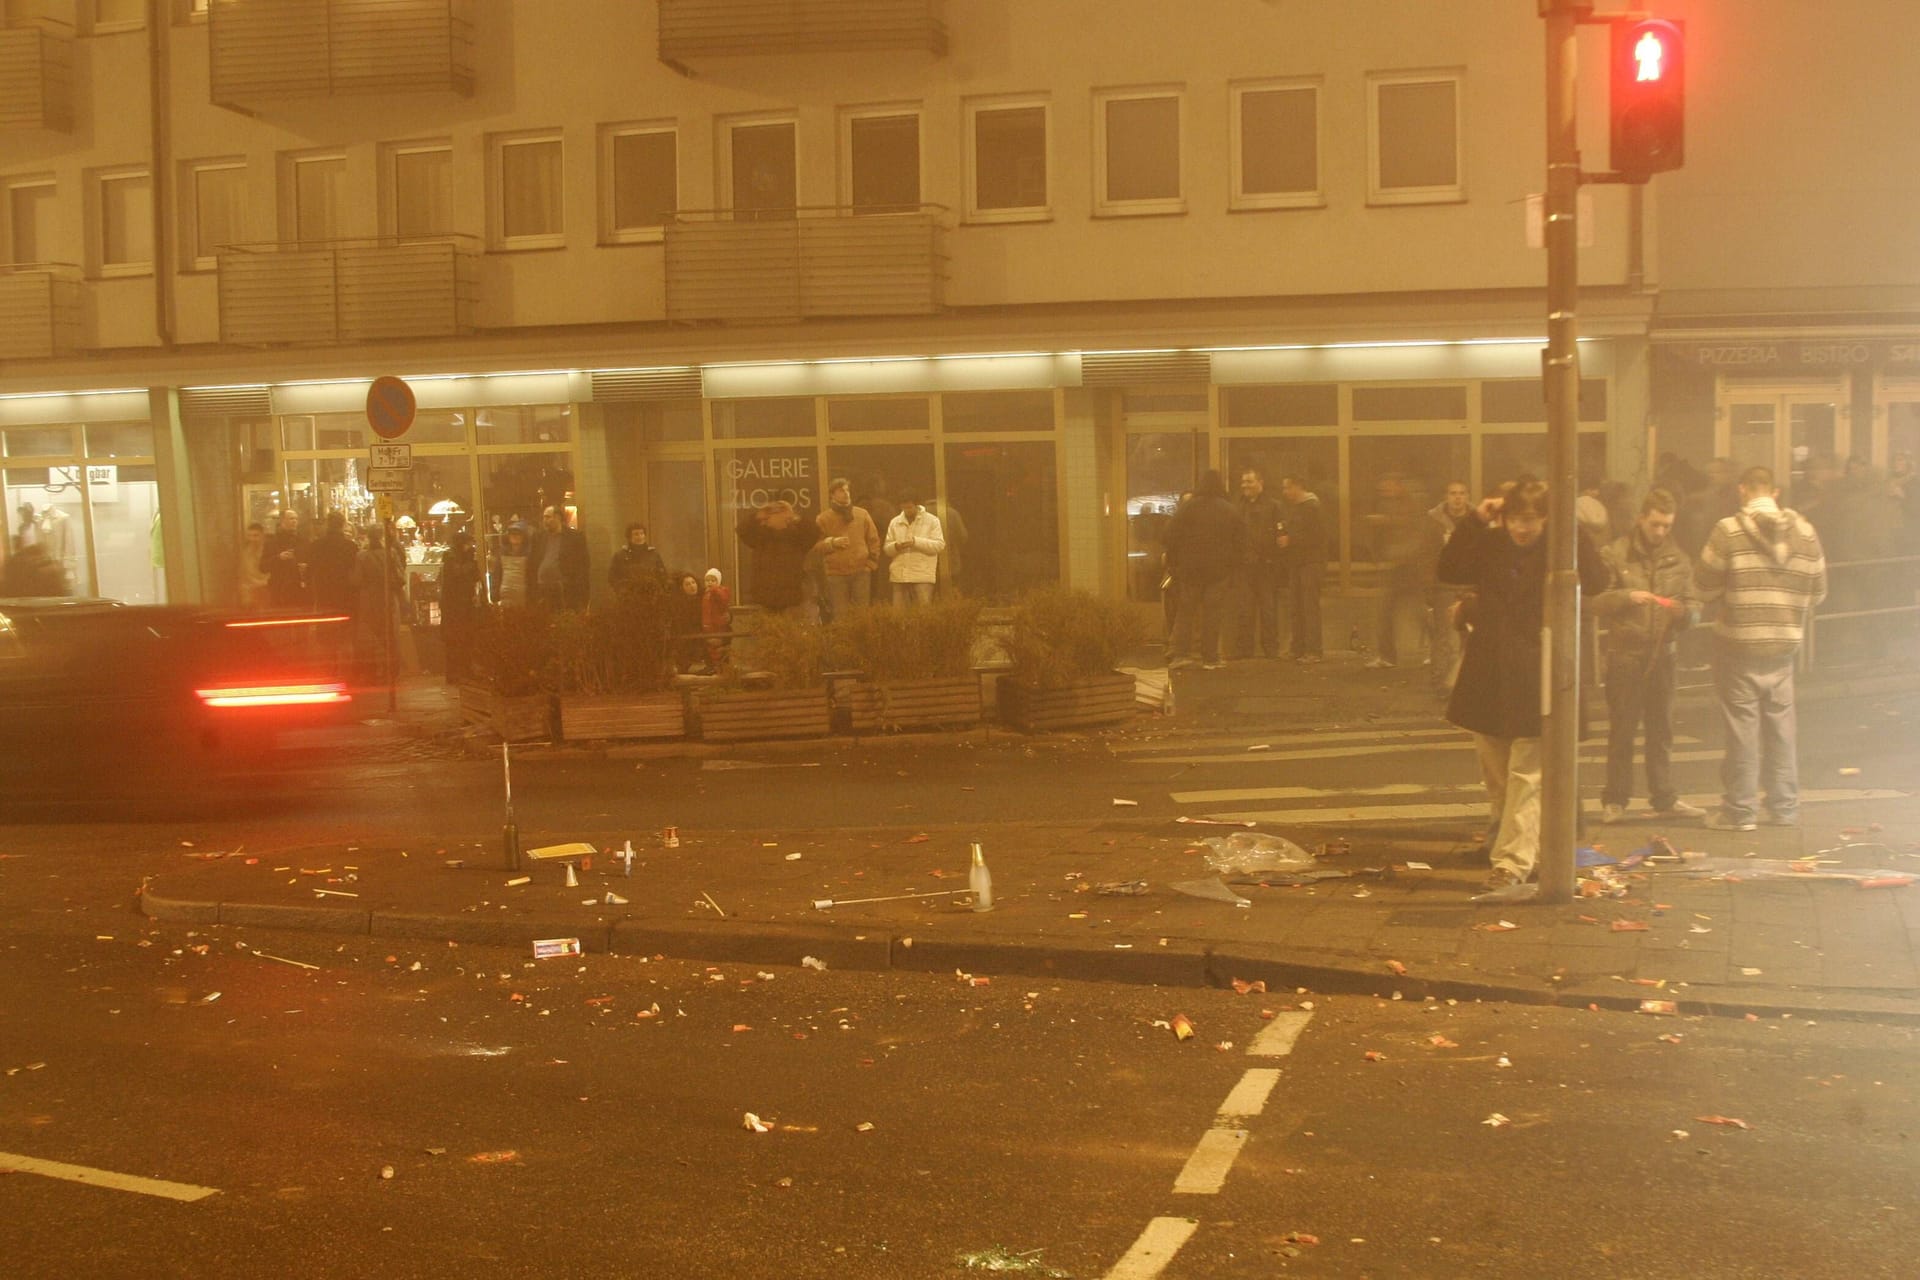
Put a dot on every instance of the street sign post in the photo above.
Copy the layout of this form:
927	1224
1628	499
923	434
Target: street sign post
389	479
390	407
392	455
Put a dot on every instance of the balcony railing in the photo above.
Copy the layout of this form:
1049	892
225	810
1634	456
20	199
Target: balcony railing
755	268
338	291
36	77
269	50
39	310
694	29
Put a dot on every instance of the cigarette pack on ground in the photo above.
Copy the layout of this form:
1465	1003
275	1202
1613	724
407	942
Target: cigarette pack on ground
561	852
552	948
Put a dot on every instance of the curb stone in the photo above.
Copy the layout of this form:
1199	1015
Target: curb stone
1181	963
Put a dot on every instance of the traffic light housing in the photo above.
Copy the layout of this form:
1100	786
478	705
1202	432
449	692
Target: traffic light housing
1649	76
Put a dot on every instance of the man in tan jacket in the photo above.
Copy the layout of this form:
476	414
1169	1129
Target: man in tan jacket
850	542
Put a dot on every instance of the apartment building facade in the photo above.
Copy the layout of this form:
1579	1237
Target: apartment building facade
1043	262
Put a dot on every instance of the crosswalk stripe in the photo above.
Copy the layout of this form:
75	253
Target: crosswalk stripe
1337	735
11	1163
1321	793
1409	812
1591	753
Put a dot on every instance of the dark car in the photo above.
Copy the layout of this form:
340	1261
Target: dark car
100	700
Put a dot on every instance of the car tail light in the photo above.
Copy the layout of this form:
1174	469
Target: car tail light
275	695
301	621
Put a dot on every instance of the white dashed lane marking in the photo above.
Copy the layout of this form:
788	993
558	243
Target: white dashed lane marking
1211	1161
1249	1097
1154	1249
1276	1039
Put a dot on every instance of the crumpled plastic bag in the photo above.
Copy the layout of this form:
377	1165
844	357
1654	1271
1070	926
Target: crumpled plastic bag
1249	852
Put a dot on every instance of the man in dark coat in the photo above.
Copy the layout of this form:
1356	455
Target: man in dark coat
330	563
284	560
779	539
636	562
1206	544
557	569
1501	553
1257	624
1303	548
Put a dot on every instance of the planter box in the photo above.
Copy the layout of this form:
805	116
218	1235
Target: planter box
1107	699
585	717
744	717
521	718
951	702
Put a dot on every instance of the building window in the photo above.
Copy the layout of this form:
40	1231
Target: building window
1275	136
313	198
215	211
418	199
190	10
1136	150
124	201
1413	138
1006	157
529	212
117	15
639	182
880	160
30	220
762	171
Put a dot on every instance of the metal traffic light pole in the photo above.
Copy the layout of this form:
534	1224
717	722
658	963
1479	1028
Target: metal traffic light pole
1560	627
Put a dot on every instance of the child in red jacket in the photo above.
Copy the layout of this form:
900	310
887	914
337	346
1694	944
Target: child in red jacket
716	614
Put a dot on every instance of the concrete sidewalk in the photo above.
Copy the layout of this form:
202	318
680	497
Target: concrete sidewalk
1719	946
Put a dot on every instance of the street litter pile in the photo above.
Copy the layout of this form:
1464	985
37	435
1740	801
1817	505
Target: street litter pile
1266	861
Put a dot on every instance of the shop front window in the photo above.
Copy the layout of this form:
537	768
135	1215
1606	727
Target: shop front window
120	440
677	513
881	474
1507	456
47	524
37	442
524	424
316	487
519	486
311	431
775	419
749	478
1313	460
1002	516
127	538
1423	465
1161	465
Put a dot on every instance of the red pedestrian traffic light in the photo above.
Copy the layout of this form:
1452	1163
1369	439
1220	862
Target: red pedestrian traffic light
1649	66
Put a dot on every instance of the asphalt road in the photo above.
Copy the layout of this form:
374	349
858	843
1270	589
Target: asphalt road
535	1126
1049	1127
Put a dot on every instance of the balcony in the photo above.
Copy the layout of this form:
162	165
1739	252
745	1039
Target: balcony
691	30
36	77
756	269
339	291
39	310
271	50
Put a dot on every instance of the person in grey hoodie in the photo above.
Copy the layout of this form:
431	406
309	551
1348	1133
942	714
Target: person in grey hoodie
1765	568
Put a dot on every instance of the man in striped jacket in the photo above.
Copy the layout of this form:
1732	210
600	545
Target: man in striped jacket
1764	567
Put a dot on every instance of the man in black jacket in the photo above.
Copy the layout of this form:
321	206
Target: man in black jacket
779	538
1206	544
284	560
557	568
1257	626
1303	546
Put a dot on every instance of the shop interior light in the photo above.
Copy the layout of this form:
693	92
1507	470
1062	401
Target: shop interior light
275	695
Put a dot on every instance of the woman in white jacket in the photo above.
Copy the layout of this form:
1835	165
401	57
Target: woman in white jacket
913	546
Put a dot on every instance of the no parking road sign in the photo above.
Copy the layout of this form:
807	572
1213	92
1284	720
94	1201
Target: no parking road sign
390	407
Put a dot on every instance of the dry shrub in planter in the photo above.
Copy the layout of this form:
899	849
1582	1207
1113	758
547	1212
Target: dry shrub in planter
1057	638
933	642
617	647
790	652
512	650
